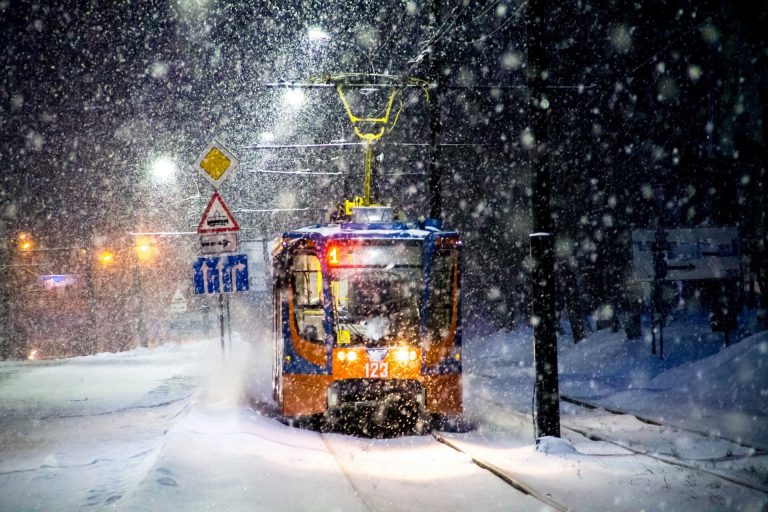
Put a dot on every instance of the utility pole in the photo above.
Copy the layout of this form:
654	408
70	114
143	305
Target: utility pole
660	269
546	388
436	62
141	328
91	340
6	300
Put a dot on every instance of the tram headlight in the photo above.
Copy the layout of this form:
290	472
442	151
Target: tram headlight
346	355
404	355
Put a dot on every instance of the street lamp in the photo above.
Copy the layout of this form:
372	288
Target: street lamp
163	169
106	257
144	249
317	34
25	242
293	97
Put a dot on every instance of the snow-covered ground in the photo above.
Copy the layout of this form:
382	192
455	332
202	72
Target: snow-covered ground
171	428
698	384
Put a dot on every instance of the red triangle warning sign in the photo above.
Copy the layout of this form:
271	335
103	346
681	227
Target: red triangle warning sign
217	217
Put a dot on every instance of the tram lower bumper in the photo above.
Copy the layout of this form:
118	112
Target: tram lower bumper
305	395
355	393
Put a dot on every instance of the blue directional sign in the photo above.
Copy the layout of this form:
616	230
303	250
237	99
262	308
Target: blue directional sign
221	274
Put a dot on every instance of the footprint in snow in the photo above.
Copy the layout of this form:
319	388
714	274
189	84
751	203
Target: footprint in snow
168	481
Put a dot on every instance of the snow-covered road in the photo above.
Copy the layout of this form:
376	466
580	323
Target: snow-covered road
170	429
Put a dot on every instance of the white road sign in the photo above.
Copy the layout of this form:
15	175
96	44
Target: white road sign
691	253
218	243
178	303
217	218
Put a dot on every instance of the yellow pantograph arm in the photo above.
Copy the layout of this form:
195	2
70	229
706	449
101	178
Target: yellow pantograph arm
355	119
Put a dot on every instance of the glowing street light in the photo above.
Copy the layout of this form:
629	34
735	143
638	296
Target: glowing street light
145	249
25	242
106	257
294	97
163	169
317	34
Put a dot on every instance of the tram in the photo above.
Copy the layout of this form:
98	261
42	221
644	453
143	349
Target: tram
367	316
367	308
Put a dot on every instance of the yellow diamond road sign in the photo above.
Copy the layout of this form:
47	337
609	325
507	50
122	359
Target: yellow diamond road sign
216	163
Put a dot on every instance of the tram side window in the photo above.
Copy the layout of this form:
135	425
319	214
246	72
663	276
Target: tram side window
441	294
307	282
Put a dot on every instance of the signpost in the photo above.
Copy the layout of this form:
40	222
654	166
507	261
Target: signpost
690	253
220	270
686	254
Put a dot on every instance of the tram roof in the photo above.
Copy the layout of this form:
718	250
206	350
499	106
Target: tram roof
390	230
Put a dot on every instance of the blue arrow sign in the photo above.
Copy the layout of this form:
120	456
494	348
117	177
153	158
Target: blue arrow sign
217	274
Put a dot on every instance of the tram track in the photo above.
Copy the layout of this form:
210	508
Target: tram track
497	472
694	464
525	486
508	478
754	447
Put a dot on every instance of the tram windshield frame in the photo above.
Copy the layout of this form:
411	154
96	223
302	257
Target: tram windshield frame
376	288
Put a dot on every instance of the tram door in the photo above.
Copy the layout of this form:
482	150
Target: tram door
279	298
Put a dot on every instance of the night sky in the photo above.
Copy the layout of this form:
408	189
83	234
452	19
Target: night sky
658	116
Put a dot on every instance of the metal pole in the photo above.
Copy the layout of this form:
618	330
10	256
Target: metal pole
661	337
653	326
267	265
436	59
546	387
229	325
7	339
91	338
660	269
140	327
221	320
6	296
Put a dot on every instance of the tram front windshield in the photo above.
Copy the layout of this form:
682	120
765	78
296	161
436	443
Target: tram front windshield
376	292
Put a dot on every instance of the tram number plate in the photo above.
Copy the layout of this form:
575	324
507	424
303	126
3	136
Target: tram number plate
376	370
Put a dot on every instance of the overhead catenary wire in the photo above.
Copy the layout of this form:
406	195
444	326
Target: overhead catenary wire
359	144
506	22
305	173
276	210
697	26
321	173
309	85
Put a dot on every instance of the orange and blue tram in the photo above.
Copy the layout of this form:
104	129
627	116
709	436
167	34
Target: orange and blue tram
367	316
